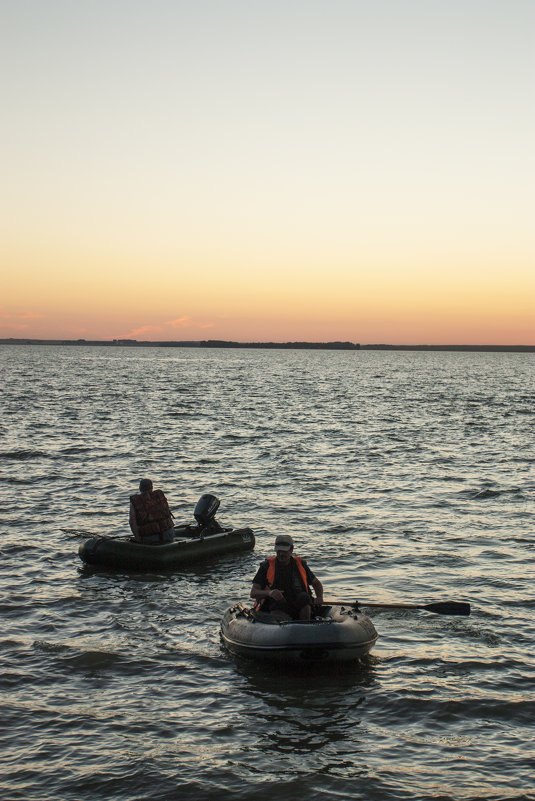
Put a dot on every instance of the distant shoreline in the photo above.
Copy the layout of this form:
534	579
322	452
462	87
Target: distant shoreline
219	343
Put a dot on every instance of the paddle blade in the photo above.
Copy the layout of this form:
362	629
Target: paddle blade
440	608
448	608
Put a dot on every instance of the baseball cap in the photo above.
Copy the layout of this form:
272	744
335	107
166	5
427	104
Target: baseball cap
284	543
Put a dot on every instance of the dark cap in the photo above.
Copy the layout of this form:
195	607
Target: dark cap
284	543
145	485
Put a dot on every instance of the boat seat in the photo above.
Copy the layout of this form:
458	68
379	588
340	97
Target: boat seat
277	616
193	531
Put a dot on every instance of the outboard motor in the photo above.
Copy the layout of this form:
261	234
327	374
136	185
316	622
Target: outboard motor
204	514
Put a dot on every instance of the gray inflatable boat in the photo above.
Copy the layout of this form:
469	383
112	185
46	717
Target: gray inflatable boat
336	634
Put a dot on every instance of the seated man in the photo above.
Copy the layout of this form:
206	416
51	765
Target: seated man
151	520
282	583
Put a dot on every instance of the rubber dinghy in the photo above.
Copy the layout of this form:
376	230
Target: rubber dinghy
336	634
126	554
194	542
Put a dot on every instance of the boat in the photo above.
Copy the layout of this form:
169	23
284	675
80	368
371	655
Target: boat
124	553
193	542
334	634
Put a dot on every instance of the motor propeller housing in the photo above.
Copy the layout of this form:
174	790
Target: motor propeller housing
205	510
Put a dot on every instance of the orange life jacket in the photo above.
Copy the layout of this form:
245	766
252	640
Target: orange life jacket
270	578
153	515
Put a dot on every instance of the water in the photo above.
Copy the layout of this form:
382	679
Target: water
403	476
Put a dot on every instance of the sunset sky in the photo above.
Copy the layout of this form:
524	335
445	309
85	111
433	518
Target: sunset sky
279	170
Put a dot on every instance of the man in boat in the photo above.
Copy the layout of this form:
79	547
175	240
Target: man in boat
282	583
151	520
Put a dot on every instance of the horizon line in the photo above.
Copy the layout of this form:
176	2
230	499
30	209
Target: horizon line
298	345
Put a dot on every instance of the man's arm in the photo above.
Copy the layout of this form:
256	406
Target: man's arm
317	586
133	523
258	593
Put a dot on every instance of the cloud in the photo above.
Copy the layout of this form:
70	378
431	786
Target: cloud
187	322
144	329
165	329
180	322
25	315
14	321
13	326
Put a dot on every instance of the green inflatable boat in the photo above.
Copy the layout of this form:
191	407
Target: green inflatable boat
189	547
193	542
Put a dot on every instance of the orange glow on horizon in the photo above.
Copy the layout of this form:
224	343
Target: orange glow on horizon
45	298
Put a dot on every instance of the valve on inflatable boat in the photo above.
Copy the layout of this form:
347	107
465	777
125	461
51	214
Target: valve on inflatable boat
204	514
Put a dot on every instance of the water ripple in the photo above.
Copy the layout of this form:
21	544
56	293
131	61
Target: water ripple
403	477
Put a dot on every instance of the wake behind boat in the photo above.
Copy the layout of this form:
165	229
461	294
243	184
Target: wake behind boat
335	634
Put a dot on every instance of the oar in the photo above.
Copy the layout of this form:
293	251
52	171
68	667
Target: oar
440	608
80	532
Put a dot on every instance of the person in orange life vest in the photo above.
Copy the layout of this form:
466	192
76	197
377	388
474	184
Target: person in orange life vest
151	520
282	582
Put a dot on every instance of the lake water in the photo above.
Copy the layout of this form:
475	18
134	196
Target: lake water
402	476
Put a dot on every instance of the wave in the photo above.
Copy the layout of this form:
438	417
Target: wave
24	455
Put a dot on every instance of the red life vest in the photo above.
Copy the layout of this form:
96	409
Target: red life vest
152	512
270	578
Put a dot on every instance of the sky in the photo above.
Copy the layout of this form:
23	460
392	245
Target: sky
254	170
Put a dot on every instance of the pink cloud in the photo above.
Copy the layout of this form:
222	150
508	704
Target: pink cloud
187	322
180	322
165	328
13	326
144	329
26	315
13	321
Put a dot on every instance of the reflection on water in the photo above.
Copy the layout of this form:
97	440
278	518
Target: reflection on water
306	706
403	477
